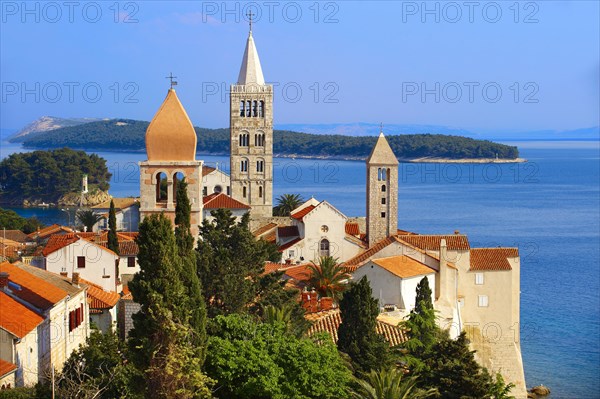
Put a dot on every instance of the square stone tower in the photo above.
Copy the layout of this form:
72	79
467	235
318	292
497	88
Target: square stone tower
171	149
251	136
382	192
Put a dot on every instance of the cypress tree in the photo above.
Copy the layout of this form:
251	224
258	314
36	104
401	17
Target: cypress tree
113	241
356	335
421	328
189	276
162	342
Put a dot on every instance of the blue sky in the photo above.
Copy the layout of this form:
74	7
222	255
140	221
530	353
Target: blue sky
491	66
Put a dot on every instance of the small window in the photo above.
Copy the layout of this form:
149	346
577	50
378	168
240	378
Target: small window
255	108
242	109
244	192
324	228
383	201
260	192
228	190
261	109
81	262
218	189
479	278
291	253
131	261
483	301
383	188
248	108
382	214
205	191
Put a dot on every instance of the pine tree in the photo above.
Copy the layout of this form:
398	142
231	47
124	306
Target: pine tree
189	276
356	335
162	341
113	241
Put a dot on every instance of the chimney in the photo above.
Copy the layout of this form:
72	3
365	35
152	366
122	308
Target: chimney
314	301
326	303
75	279
456	232
3	280
306	300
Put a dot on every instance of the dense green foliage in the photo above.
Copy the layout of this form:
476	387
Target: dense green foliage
286	203
390	383
48	175
113	240
162	341
261	360
356	335
189	275
10	220
129	135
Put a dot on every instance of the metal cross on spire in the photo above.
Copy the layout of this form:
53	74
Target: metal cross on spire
171	77
381	127
250	15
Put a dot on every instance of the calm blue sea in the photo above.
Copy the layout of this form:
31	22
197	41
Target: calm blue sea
548	207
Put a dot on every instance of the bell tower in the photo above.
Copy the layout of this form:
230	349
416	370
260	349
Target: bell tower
171	150
251	135
382	192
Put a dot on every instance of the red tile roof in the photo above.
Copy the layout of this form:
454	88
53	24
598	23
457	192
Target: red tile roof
15	235
16	318
221	200
352	263
298	272
352	228
120	203
99	298
454	242
47	231
206	170
6	367
403	266
34	290
270	237
287	231
303	212
59	241
329	321
289	244
492	258
263	229
271	267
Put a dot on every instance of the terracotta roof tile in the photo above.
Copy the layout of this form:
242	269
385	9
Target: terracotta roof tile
352	263
221	200
15	235
59	241
9	251
298	272
271	267
454	242
329	321
34	290
289	244
403	266
264	229
303	212
6	367
206	170
492	258
100	298
287	231
16	318
352	229
47	231
120	203
270	237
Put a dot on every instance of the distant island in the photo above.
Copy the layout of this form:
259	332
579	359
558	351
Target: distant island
52	177
128	135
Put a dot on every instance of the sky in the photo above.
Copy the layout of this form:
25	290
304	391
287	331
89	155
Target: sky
489	66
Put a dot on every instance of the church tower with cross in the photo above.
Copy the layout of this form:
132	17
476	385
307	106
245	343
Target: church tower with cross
171	150
382	191
251	135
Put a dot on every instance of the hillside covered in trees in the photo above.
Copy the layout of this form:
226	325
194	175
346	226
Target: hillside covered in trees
125	134
49	175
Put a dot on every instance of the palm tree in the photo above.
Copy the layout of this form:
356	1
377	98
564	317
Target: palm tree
88	218
328	278
389	384
286	203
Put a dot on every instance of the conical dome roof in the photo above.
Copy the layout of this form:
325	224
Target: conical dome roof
250	71
170	135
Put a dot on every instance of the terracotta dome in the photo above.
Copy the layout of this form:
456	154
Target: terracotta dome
170	135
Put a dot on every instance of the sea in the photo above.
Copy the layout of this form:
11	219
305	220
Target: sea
549	207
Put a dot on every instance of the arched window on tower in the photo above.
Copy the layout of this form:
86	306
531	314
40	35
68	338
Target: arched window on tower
244	165
244	192
248	108
242	108
261	109
255	108
244	140
324	247
383	188
176	179
260	192
260	166
161	188
383	173
379	174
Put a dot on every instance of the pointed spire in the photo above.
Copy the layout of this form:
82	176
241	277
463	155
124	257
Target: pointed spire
251	71
382	153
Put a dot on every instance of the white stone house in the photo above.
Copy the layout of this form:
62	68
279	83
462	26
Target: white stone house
103	307
70	253
394	280
33	346
318	229
127	214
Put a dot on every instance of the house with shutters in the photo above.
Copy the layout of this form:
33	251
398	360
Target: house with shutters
44	318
